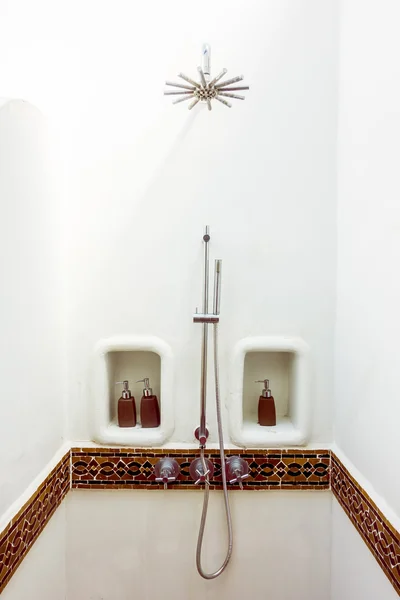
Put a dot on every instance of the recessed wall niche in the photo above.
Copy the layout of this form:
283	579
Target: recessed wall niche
275	366
132	365
285	362
131	358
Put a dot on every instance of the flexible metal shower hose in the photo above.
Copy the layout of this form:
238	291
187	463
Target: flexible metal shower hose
224	482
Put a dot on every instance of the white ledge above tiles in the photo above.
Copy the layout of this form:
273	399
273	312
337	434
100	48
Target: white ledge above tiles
293	412
105	426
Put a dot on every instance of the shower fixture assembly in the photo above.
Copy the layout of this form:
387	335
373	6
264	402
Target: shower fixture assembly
237	470
201	468
206	89
166	471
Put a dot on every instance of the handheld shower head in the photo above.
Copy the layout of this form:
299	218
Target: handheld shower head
217	286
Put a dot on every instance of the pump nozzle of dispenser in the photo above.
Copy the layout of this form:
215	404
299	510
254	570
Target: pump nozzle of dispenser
126	392
147	390
266	391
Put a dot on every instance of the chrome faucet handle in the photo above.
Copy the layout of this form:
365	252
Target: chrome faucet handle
239	478
166	477
197	472
163	480
202	477
237	470
166	470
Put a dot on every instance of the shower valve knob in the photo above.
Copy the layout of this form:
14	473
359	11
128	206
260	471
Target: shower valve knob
165	478
239	479
202	478
237	470
166	470
197	472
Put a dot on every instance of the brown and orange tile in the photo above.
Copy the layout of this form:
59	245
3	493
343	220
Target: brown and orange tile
130	468
20	534
380	536
268	469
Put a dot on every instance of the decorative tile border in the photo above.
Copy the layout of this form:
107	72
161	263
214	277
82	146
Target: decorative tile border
125	468
117	468
380	536
24	529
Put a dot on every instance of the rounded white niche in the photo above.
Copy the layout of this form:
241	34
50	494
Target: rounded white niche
285	362
132	358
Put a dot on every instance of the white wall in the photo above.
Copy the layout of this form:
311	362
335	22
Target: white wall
149	176
355	573
31	374
367	410
111	551
42	573
145	176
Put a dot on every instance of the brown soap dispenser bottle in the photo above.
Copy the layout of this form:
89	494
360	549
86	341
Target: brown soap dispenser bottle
126	407
149	408
266	406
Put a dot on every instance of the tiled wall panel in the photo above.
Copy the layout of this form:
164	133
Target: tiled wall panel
130	468
380	536
22	532
125	468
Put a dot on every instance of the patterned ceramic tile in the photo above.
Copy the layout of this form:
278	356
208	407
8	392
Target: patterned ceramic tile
122	468
379	535
134	468
21	533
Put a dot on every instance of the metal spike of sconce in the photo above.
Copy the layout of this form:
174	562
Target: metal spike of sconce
207	89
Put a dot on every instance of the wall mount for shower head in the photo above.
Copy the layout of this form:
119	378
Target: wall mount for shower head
206	90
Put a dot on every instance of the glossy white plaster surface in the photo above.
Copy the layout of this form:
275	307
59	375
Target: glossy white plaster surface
141	542
367	410
31	371
145	177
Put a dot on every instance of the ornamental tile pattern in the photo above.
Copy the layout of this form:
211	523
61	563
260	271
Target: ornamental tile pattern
134	468
380	536
125	468
21	533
